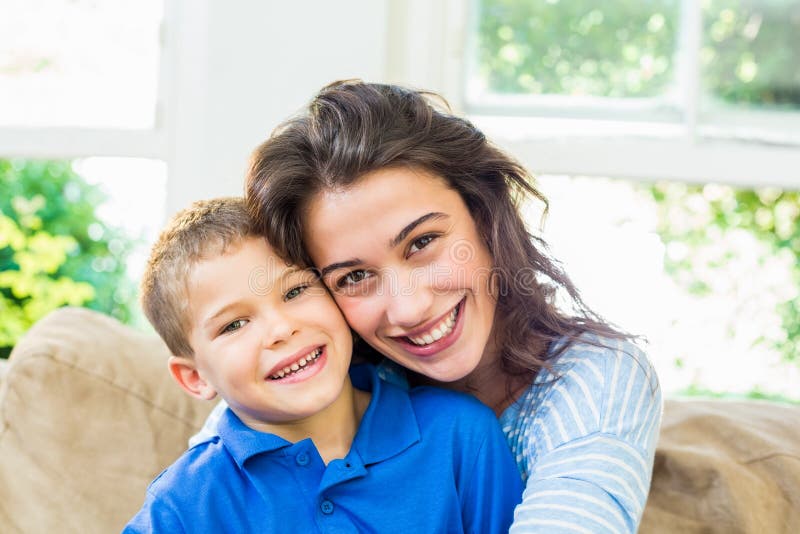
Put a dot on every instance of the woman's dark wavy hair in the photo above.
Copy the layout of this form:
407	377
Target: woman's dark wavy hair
351	128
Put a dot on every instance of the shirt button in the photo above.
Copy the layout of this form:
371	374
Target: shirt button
302	459
326	506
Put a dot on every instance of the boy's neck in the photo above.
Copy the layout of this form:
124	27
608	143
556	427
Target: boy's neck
332	430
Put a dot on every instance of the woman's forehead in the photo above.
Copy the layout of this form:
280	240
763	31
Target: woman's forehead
396	195
376	209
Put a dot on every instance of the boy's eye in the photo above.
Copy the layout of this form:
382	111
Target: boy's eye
420	243
295	292
352	278
235	325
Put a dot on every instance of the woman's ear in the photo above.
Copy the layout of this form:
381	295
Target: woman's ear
184	370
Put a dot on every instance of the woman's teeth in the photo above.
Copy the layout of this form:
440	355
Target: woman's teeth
437	332
297	366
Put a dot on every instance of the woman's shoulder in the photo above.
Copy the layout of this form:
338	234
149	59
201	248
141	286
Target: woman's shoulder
600	362
594	385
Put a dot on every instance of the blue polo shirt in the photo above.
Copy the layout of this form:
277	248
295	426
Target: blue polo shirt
424	460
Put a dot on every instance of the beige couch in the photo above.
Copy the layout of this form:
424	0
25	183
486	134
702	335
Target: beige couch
89	415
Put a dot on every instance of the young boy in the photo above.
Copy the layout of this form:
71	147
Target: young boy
304	446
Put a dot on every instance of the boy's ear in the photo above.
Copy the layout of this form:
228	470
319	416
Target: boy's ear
184	371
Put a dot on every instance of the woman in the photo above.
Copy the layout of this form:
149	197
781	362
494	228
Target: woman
411	217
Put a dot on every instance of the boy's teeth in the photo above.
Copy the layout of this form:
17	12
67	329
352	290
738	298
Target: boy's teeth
438	332
298	365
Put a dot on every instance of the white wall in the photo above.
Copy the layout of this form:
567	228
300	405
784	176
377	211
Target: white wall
242	67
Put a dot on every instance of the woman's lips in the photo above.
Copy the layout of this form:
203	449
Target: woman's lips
440	344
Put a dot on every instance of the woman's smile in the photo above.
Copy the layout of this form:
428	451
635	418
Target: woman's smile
431	340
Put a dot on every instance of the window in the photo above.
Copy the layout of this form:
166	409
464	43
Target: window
708	273
81	77
83	146
80	63
669	89
699	64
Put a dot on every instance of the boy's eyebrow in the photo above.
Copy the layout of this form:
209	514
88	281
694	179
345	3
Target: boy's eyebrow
287	272
396	240
219	312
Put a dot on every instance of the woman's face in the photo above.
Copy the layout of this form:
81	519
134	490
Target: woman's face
402	256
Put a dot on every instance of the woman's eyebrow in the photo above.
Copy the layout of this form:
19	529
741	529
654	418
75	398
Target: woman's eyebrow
339	265
435	215
396	240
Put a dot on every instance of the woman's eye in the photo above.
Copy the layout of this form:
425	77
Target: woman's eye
235	325
294	292
352	278
420	243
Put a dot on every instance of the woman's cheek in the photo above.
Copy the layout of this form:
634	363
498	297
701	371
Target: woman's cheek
361	313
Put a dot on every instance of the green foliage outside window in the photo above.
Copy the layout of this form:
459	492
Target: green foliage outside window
750	50
708	221
629	48
624	49
54	250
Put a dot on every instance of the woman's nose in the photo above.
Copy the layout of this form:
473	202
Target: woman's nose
409	302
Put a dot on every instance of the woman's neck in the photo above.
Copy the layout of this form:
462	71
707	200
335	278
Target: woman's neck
493	386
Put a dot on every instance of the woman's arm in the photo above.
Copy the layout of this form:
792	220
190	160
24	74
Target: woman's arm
588	439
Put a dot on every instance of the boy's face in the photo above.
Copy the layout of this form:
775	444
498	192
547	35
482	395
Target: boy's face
267	337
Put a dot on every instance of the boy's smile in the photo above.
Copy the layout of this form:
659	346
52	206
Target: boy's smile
266	336
288	370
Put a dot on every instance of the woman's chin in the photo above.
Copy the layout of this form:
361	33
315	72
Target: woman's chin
445	369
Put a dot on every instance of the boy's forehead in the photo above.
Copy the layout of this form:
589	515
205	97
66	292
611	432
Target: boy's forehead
252	259
236	274
265	268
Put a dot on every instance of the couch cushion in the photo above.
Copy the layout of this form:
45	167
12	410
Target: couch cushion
88	416
727	467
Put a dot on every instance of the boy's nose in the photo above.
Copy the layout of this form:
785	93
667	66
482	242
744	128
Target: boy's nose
278	330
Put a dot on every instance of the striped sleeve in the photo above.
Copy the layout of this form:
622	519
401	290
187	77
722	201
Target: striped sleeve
210	425
591	445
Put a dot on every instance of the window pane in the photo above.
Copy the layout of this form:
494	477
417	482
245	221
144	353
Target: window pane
750	52
708	273
74	233
89	63
623	48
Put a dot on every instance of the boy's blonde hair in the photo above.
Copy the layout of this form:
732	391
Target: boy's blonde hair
204	229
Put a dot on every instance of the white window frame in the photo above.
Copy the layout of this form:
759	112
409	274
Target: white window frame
180	114
638	139
75	142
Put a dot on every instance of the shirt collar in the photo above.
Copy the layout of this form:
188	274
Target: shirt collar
244	442
388	427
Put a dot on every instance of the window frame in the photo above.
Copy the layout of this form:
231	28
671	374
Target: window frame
639	139
71	142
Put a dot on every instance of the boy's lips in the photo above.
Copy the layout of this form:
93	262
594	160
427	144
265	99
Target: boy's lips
301	359
429	349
